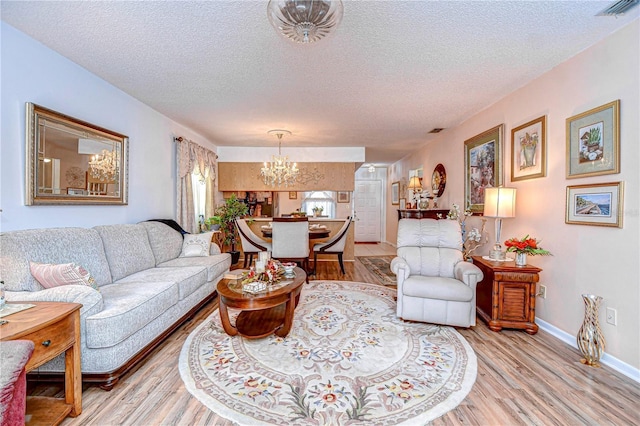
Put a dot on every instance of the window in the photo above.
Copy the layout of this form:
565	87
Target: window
324	199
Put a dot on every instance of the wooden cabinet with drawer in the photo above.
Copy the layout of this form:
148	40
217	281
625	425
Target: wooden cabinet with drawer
506	297
54	328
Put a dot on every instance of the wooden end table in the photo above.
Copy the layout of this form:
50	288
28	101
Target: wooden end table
54	328
262	313
506	297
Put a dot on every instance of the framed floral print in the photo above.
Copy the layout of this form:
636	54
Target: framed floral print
483	166
596	204
529	150
395	193
593	142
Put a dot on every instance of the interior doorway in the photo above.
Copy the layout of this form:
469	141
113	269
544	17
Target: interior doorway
368	211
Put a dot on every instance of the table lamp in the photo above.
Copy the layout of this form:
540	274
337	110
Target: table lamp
499	203
416	187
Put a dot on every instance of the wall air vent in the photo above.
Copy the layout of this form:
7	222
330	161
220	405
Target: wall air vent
437	130
618	8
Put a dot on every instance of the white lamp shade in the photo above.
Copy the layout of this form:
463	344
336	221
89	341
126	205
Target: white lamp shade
414	183
500	202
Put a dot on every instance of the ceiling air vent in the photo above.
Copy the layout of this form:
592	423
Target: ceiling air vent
437	130
618	8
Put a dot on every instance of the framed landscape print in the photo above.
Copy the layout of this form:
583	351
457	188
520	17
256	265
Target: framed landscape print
529	150
343	197
395	193
593	142
596	204
483	166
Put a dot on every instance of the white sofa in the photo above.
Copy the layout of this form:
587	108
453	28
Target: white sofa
146	290
435	284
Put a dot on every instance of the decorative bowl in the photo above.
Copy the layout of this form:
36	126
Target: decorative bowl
288	268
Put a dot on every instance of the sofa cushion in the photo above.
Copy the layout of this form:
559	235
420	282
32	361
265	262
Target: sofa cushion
53	245
166	242
128	307
216	265
49	275
437	288
127	249
188	279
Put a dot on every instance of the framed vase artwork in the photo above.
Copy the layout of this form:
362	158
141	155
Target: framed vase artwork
593	142
597	204
529	150
293	195
483	166
395	193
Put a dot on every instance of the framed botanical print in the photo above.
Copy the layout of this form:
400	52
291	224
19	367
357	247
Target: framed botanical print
529	150
483	166
593	142
293	195
596	204
395	193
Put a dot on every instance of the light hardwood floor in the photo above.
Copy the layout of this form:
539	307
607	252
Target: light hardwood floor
522	380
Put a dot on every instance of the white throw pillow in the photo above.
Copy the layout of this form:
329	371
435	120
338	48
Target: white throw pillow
196	245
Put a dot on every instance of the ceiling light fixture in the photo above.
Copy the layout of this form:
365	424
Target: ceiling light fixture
305	21
280	171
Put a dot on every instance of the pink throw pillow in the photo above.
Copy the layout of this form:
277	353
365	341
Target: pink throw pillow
49	275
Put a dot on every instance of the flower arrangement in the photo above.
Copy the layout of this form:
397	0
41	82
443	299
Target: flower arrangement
272	273
530	140
526	245
472	239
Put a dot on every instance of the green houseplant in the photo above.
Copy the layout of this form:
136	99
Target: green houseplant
226	215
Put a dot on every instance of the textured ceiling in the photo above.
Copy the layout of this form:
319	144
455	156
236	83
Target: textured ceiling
392	71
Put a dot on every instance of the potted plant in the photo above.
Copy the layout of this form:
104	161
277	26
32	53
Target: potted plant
317	211
213	223
226	215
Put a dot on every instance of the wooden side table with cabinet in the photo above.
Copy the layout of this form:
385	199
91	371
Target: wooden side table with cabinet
54	328
506	297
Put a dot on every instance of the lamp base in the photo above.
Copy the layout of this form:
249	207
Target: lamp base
497	255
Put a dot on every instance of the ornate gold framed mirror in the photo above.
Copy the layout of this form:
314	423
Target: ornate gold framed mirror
70	161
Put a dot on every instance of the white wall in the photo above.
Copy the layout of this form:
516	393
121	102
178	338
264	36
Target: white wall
587	259
34	73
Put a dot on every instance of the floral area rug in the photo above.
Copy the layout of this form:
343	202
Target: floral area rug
347	360
380	266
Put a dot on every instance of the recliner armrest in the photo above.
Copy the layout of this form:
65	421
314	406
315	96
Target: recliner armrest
399	265
468	273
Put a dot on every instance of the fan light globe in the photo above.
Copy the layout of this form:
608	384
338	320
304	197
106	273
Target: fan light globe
305	21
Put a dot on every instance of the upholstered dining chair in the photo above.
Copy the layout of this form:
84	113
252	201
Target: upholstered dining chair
435	283
290	240
251	243
334	245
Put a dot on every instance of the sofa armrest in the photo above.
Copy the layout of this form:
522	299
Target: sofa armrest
90	299
468	273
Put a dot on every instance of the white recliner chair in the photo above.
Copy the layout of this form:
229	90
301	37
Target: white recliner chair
435	284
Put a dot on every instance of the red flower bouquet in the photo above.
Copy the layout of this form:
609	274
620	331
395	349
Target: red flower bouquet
526	245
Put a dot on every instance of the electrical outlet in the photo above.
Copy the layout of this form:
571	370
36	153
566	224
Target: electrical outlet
543	291
612	316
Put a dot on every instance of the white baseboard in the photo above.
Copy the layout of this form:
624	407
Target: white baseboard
621	367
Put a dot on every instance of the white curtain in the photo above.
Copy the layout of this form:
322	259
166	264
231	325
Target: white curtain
193	158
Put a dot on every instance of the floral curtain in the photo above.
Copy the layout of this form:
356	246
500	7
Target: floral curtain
193	158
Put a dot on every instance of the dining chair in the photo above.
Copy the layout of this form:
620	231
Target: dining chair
334	245
290	240
251	243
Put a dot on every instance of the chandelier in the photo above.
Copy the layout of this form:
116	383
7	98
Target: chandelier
304	21
104	166
280	171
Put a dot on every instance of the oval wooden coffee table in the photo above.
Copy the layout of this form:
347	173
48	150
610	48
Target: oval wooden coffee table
270	311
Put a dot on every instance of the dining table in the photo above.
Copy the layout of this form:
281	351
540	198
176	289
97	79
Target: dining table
314	233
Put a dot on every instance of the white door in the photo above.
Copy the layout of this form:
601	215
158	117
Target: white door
368	210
